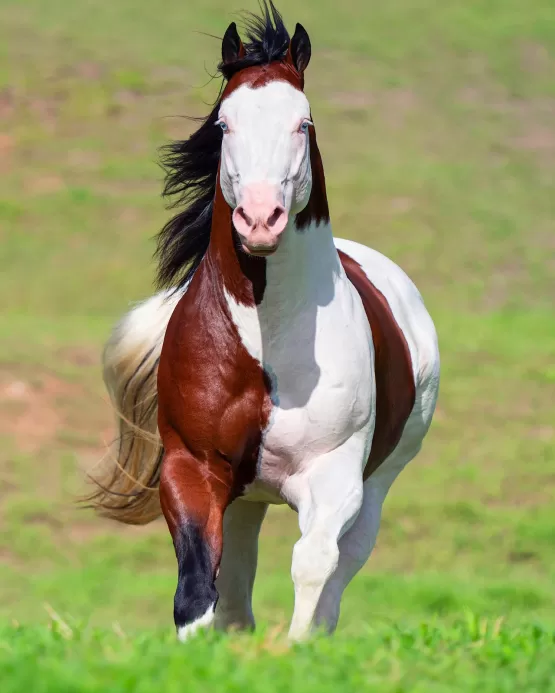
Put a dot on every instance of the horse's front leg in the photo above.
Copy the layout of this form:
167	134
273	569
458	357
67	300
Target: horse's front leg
328	496
356	545
194	495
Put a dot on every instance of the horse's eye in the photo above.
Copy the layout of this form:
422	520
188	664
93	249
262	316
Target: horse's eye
222	125
305	125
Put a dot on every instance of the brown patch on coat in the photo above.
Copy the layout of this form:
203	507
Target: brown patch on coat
395	388
213	395
244	275
259	75
317	210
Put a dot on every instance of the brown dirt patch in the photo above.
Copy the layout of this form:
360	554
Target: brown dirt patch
522	492
28	411
89	70
393	104
44	185
7	103
7	558
7	143
401	205
535	58
84	160
80	356
33	411
536	139
7	146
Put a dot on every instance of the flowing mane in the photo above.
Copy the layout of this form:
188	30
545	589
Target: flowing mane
191	165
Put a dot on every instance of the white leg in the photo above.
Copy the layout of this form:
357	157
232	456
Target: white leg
328	496
242	522
358	543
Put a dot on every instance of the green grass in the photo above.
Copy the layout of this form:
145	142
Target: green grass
436	122
471	655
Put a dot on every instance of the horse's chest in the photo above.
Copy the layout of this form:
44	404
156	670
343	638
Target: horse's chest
321	373
317	406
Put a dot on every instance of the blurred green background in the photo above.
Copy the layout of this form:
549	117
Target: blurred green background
436	122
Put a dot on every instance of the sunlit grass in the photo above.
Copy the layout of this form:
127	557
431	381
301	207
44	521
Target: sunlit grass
474	654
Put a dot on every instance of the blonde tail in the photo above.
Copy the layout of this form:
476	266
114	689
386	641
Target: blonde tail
127	485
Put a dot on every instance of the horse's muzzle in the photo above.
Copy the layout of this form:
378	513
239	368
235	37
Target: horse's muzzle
260	219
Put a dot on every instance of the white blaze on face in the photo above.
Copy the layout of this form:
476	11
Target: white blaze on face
265	165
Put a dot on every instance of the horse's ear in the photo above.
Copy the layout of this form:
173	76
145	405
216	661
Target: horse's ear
232	46
299	49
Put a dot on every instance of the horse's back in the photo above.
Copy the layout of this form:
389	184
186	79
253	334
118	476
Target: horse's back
406	349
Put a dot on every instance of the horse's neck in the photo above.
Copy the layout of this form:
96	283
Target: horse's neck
302	299
303	272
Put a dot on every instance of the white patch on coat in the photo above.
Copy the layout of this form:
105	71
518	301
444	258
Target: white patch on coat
265	143
205	621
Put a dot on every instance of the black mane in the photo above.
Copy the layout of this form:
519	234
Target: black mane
191	165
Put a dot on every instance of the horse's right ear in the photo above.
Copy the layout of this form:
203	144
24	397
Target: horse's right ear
232	46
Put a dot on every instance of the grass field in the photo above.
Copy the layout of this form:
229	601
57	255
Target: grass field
471	655
436	122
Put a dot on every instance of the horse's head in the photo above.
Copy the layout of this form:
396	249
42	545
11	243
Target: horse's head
265	167
254	159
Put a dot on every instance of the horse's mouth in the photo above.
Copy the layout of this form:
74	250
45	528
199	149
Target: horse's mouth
259	251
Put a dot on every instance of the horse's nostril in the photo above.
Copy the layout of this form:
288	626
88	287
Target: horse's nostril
245	217
274	217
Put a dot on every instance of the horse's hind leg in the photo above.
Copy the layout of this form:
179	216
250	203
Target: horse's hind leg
356	545
328	496
242	522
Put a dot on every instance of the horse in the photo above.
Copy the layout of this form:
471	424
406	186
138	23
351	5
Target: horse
276	365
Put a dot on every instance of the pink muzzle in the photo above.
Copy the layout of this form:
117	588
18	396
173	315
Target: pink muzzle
260	219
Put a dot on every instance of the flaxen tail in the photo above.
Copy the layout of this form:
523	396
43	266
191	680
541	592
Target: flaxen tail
127	483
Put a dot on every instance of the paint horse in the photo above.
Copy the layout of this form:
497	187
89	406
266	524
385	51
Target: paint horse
282	366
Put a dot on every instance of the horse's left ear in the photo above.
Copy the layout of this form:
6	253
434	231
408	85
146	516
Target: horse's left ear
299	49
232	46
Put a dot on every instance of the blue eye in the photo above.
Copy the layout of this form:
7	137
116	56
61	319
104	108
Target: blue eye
304	125
222	125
